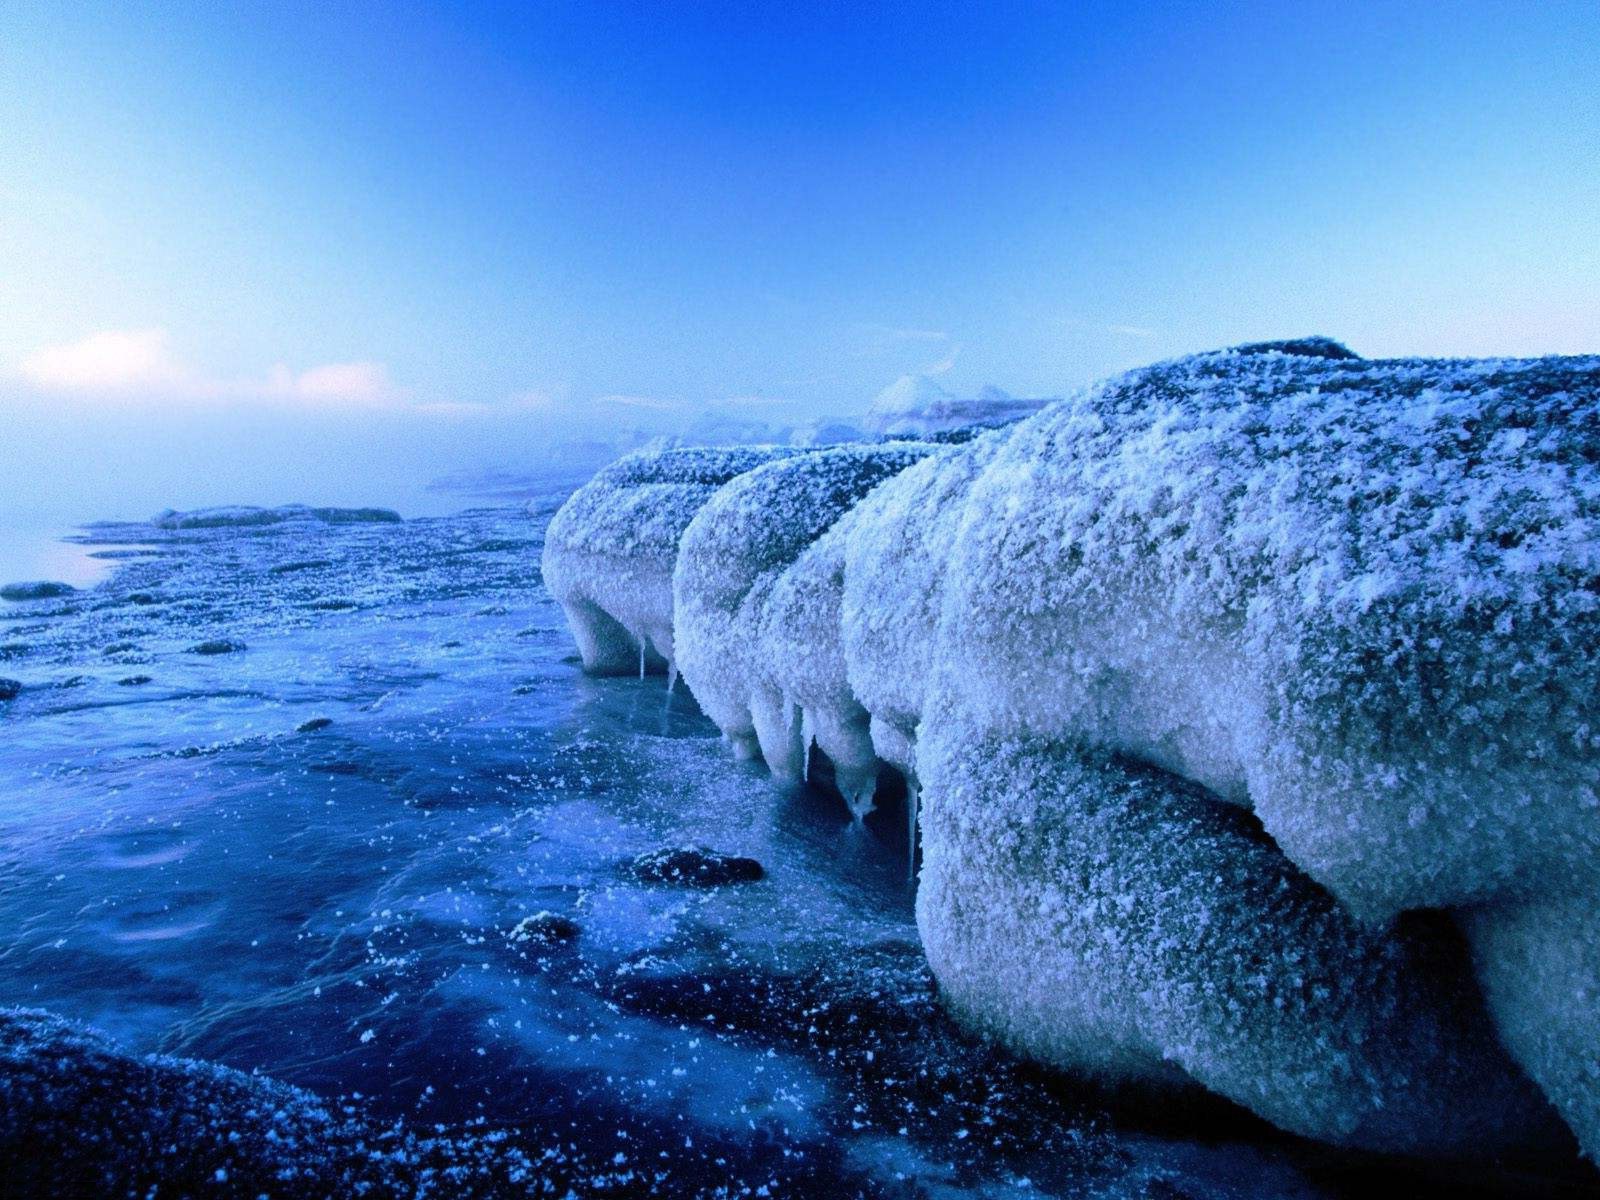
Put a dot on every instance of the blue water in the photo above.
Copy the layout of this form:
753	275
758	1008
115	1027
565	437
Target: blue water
186	868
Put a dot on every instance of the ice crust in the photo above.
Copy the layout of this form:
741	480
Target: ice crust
1358	599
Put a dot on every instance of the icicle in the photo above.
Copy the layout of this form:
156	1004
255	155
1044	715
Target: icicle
913	805
807	737
860	796
641	656
672	675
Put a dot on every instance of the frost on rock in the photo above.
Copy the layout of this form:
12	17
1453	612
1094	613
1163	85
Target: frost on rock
730	563
1356	599
610	550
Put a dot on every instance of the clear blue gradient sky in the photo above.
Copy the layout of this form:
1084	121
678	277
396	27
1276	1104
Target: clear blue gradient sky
533	207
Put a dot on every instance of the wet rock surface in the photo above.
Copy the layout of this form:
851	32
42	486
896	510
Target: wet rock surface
694	866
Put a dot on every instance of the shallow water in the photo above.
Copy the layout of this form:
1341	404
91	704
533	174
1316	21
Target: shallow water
187	865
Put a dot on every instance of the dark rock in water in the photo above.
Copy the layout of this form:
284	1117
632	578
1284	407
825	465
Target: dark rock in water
120	648
133	681
331	605
79	1117
14	650
1308	347
218	646
357	516
310	564
72	681
543	929
337	767
9	689
695	866
143	598
38	590
313	725
524	689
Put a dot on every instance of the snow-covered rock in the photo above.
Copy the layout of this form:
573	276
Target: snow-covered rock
610	551
1357	598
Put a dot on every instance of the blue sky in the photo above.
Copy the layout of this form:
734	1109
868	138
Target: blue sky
536	209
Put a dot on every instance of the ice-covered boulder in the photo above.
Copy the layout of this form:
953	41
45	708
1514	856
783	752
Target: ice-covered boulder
1109	918
610	550
730	562
1362	597
1357	598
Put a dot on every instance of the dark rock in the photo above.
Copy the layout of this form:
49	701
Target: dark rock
143	598
14	650
9	689
543	929
133	681
120	648
524	689
331	605
310	564
313	725
218	646
37	590
695	866
357	516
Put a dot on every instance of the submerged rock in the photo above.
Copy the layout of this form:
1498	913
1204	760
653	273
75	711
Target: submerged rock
217	646
695	866
10	689
313	725
134	681
42	589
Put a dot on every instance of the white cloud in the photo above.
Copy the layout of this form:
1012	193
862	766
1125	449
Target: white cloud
140	363
115	360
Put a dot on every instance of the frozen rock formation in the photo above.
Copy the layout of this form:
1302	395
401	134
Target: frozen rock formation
1357	598
610	552
731	560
